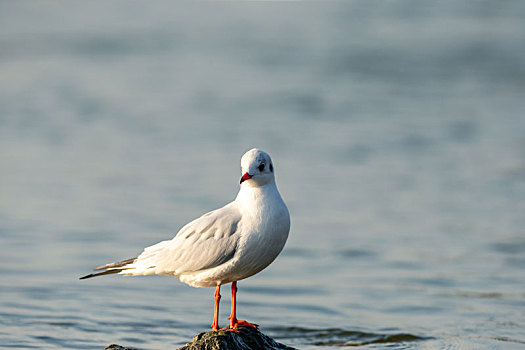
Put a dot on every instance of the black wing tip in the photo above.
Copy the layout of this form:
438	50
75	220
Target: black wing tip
107	272
116	264
110	269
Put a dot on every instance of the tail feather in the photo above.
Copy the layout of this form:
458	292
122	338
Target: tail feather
111	268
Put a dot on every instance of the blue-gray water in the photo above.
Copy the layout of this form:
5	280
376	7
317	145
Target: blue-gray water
398	133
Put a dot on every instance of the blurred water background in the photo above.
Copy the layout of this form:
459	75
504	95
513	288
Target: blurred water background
398	133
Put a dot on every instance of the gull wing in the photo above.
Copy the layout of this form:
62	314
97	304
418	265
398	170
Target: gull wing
204	243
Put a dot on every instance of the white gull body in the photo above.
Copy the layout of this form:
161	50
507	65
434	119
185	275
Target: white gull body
228	244
225	245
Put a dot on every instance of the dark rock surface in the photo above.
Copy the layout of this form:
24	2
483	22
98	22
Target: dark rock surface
117	347
246	338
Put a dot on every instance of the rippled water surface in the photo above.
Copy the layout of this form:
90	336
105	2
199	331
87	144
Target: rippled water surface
398	134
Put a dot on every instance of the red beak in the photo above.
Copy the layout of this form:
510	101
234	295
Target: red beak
245	177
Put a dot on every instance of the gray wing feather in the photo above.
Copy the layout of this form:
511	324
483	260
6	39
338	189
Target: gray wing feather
204	243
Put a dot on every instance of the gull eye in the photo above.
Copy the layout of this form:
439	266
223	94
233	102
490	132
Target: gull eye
261	167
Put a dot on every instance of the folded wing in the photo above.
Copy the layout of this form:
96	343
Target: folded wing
204	243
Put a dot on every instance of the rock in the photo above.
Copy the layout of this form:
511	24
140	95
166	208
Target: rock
117	347
246	338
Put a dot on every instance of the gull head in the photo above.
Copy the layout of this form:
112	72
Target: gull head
256	168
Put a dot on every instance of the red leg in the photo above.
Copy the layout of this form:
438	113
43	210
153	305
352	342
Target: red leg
234	322
215	324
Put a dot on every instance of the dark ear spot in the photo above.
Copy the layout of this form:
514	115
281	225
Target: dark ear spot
271	167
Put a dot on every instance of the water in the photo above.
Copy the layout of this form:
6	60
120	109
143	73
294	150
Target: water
398	136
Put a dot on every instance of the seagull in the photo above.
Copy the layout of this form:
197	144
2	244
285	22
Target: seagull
225	245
